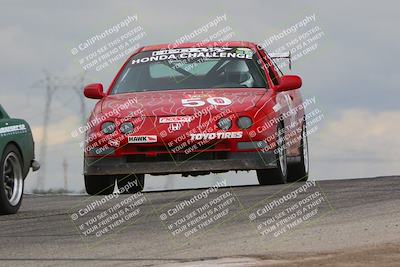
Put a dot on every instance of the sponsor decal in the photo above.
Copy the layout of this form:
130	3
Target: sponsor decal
13	129
194	53
215	101
142	139
219	135
203	96
175	119
277	107
191	50
245	51
174	127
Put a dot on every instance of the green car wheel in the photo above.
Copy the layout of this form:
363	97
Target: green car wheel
16	158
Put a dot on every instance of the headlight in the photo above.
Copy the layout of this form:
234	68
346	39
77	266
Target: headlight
224	124
126	127
244	122
108	127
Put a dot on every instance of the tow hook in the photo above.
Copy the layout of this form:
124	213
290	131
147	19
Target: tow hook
35	165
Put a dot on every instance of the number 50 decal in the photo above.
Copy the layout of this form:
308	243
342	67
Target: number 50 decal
215	101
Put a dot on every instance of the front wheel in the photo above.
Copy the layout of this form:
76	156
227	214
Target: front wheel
99	184
298	171
277	175
130	184
11	180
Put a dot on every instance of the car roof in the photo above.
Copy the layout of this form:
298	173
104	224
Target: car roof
200	44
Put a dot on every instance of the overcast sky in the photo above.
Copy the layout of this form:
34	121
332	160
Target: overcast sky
353	72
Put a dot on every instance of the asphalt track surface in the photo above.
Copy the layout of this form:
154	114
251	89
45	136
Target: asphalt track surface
337	222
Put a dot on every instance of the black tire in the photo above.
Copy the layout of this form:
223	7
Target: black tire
298	171
11	180
276	175
99	184
131	183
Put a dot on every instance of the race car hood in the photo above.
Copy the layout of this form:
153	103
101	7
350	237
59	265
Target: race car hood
181	102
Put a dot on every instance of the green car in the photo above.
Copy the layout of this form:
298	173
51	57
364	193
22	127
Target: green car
16	158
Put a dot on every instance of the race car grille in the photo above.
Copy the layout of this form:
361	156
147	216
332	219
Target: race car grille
152	148
163	148
178	157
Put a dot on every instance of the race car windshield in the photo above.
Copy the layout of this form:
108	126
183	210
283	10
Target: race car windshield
190	68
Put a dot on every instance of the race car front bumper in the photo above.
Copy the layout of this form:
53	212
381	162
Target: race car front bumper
234	161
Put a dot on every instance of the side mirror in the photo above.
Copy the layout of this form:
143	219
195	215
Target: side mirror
289	82
94	90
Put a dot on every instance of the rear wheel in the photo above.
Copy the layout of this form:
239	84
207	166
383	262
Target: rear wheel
130	184
99	184
277	175
11	180
298	171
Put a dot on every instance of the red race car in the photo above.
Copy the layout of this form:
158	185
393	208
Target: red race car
195	109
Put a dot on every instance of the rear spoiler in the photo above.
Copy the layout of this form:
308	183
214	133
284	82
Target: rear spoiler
287	55
3	113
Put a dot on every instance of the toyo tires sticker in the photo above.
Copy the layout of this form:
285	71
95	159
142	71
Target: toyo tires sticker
219	135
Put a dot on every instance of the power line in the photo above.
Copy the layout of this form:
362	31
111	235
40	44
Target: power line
51	87
51	84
